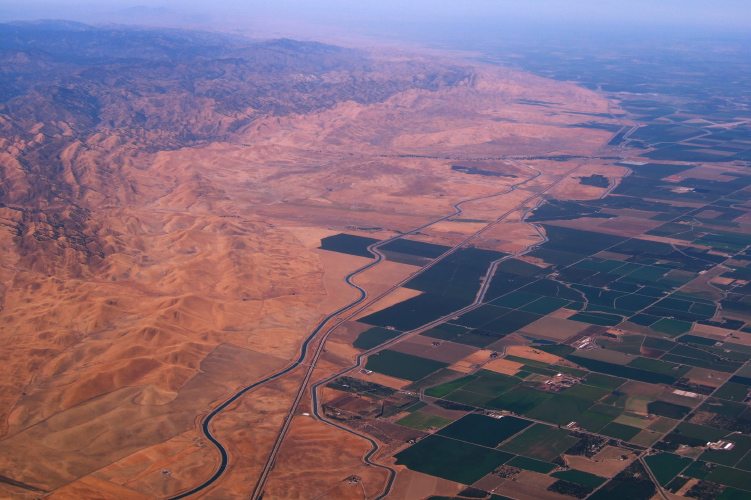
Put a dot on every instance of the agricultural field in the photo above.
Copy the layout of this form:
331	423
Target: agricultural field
609	360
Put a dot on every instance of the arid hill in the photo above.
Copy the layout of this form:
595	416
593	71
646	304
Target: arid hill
162	196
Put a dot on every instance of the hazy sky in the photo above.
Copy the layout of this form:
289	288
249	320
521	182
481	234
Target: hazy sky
395	16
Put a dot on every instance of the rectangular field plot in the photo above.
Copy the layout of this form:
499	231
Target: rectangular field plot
657	170
552	328
557	258
409	347
646	438
665	466
418	248
448	352
732	392
701	432
671	327
444	332
541	442
478	338
519	400
658	366
606	355
598	416
597	318
604	381
669	410
560	409
515	299
504	283
576	241
449	387
374	337
413	313
349	244
634	419
633	302
628	344
599	265
624	371
550	288
701	358
468	398
404	366
451	459
403	258
545	305
516	266
484	430
511	322
587	392
731	477
491	383
423	421
436	378
456	276
642	319
620	431
478	317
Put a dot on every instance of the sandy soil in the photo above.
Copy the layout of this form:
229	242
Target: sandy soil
607	463
505	366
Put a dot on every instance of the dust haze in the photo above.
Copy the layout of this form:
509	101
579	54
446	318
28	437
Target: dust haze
474	21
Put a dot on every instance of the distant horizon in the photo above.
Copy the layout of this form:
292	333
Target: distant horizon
413	21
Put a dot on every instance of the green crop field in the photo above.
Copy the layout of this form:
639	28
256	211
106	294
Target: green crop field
491	383
604	381
598	416
468	398
560	409
671	327
669	410
629	294
374	337
732	392
620	431
515	299
588	392
449	387
544	305
541	442
348	244
620	371
451	459
423	421
731	477
519	400
405	366
483	430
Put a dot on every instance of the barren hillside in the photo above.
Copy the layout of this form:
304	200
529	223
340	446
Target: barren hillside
162	198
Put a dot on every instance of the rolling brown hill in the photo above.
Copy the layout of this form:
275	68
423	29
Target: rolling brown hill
162	195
